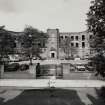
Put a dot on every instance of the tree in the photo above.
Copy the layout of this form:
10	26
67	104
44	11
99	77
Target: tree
67	48
6	47
6	43
96	25
33	40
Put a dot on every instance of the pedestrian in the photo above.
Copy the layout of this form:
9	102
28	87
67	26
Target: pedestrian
38	70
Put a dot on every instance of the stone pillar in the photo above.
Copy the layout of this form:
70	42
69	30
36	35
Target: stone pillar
66	70
1	71
32	70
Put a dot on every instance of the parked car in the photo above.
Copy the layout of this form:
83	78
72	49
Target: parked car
90	68
36	58
80	68
24	67
77	59
11	67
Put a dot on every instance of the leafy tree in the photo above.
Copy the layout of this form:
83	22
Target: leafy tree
32	42
67	48
96	25
6	43
6	47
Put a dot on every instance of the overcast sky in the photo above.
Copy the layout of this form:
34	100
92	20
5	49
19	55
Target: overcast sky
67	15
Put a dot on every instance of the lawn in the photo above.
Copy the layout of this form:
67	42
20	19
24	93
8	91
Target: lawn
72	96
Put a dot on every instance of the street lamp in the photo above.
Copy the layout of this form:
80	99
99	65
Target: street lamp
30	44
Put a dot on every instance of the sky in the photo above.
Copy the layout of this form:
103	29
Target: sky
66	15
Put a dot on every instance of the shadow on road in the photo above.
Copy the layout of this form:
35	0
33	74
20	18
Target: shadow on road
45	97
96	100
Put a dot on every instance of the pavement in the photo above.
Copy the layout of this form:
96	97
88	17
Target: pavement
49	83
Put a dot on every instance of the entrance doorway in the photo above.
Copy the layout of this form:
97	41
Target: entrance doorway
52	55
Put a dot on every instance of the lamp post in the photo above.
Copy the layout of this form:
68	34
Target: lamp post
30	42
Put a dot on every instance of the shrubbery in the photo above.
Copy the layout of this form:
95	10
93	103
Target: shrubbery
102	92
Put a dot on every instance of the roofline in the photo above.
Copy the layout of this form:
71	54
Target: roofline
73	32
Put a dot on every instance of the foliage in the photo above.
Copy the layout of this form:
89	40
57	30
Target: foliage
99	64
96	21
32	41
6	43
96	25
67	48
102	92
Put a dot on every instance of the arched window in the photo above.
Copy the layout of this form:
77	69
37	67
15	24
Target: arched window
83	44
76	37
77	45
83	37
61	37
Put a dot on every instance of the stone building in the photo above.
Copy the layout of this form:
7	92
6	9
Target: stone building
62	45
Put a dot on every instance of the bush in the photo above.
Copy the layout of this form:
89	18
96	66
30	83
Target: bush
102	92
11	67
24	67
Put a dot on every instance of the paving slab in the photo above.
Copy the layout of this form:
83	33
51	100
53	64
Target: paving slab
50	83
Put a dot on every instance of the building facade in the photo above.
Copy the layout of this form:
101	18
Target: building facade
65	45
62	45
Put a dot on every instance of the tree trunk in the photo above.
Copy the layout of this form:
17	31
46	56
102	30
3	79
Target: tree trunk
31	61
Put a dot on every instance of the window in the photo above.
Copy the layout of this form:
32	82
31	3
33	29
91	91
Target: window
52	55
72	44
90	37
72	37
65	37
39	44
77	45
83	44
83	37
76	37
22	43
61	37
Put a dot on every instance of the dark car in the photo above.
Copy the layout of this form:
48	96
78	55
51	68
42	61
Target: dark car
11	67
24	67
90	68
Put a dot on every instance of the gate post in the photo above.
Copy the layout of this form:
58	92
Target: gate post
66	70
1	71
32	70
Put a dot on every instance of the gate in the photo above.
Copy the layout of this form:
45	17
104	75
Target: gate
50	71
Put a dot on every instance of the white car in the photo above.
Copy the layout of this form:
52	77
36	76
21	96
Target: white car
77	59
81	68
